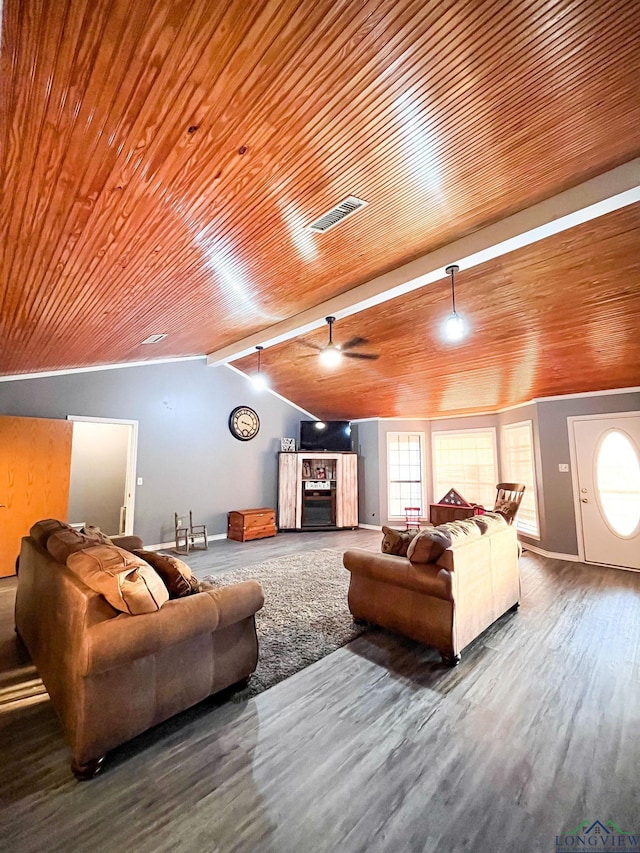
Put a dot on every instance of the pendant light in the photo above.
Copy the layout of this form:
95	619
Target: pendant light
454	327
258	379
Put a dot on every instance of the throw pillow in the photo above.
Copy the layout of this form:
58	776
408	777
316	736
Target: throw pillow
66	541
94	532
428	545
43	529
175	574
127	582
397	541
489	522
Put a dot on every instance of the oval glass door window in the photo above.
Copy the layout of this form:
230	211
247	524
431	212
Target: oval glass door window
618	482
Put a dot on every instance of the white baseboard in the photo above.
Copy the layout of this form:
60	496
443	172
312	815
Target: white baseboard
164	546
571	558
370	526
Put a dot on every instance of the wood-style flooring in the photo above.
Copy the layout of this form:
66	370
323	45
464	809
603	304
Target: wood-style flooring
376	747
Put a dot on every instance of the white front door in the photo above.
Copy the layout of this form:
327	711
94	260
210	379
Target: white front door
608	475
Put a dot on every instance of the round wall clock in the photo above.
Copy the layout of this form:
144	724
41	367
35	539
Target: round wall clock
244	423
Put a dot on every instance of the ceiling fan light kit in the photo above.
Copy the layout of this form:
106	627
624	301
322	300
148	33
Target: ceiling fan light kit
332	354
454	328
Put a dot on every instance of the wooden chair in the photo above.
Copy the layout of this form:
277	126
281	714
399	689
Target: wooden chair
198	531
187	537
508	500
412	517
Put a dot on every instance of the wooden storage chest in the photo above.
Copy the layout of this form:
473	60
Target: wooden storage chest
441	513
246	524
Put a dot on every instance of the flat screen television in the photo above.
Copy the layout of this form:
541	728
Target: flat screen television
325	435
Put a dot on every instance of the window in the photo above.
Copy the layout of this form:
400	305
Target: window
517	467
466	462
405	466
618	482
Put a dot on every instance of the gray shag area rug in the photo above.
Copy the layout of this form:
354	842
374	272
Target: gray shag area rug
305	614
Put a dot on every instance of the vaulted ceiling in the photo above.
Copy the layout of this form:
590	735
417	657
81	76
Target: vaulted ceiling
161	161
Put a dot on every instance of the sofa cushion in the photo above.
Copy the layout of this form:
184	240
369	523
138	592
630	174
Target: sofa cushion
126	581
176	574
43	529
67	541
428	545
397	541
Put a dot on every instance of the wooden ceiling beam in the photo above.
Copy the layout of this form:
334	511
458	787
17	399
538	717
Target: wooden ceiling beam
601	195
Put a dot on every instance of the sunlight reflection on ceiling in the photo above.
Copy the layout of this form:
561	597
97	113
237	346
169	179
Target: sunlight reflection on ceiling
421	152
235	291
522	379
302	239
474	389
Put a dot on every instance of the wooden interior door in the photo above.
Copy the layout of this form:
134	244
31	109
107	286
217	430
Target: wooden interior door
35	461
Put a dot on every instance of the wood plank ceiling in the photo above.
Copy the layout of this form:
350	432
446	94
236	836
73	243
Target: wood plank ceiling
561	316
160	159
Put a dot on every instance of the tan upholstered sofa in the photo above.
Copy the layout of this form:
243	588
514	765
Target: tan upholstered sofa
445	603
111	675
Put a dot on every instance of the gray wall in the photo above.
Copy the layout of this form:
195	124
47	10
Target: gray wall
186	454
365	443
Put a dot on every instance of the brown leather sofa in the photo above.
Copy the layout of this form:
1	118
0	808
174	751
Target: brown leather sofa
446	603
110	675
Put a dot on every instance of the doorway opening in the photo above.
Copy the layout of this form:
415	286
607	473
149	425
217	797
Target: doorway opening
103	470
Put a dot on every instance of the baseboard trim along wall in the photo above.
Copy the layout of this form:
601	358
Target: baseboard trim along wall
571	558
370	526
164	546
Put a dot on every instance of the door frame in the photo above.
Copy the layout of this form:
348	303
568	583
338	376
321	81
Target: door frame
132	459
573	458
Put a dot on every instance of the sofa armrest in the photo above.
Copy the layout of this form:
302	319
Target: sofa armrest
128	543
237	602
427	578
125	638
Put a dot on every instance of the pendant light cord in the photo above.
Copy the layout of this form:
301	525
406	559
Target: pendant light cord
453	291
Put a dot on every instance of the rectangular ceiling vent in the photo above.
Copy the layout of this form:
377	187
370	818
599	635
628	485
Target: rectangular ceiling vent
341	211
154	339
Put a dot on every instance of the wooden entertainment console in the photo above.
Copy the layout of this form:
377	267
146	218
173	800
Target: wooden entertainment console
317	490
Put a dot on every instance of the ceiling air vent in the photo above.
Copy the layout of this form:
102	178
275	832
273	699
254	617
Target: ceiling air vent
154	339
341	211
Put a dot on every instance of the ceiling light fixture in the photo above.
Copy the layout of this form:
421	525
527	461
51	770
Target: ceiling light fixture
331	355
258	379
454	327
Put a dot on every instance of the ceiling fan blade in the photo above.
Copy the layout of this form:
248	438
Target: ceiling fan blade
364	355
310	345
353	342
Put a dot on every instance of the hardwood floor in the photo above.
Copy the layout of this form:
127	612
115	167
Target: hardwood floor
376	747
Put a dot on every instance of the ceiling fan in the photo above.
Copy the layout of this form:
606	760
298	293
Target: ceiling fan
331	353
